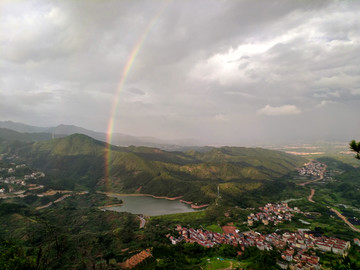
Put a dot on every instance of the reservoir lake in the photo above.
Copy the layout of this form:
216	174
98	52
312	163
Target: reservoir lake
150	206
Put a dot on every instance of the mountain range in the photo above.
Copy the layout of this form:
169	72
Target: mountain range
118	139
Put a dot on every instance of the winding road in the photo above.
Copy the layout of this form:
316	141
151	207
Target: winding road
345	220
332	209
311	195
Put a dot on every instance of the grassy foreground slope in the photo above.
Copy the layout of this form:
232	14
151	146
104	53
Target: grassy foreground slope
78	161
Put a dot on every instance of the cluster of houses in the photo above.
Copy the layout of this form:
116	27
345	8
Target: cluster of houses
34	175
202	237
6	156
275	213
11	180
297	249
301	245
313	168
14	181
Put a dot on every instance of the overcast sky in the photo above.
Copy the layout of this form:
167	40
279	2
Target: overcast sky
222	72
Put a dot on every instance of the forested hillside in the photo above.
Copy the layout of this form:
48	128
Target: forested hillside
78	161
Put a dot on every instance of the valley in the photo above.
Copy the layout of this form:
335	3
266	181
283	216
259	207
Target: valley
58	189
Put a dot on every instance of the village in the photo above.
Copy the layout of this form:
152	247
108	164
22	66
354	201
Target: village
313	168
298	249
11	184
275	213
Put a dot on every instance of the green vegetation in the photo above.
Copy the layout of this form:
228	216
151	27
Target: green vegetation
72	235
221	263
182	218
344	190
355	146
13	257
78	162
76	234
349	262
213	228
335	164
194	256
257	259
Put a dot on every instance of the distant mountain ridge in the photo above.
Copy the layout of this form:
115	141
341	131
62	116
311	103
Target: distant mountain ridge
20	127
9	134
117	138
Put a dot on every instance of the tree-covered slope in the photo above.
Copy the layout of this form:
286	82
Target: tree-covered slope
79	160
74	234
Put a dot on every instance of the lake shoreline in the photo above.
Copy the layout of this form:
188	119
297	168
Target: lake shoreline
191	204
110	194
194	206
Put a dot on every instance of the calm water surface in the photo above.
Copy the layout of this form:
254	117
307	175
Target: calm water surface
150	206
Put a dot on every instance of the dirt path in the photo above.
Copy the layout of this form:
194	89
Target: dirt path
142	222
62	198
50	193
44	206
345	220
311	195
230	267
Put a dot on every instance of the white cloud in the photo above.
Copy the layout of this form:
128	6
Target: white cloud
232	66
221	118
281	110
241	94
324	103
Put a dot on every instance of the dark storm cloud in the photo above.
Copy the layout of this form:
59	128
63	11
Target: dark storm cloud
220	71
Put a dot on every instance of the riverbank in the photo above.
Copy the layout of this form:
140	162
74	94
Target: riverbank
193	206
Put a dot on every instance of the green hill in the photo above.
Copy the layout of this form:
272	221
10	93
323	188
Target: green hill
77	144
78	161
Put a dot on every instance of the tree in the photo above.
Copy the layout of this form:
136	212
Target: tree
346	264
13	256
355	146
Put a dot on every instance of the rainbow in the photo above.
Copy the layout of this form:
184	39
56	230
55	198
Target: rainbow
124	75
